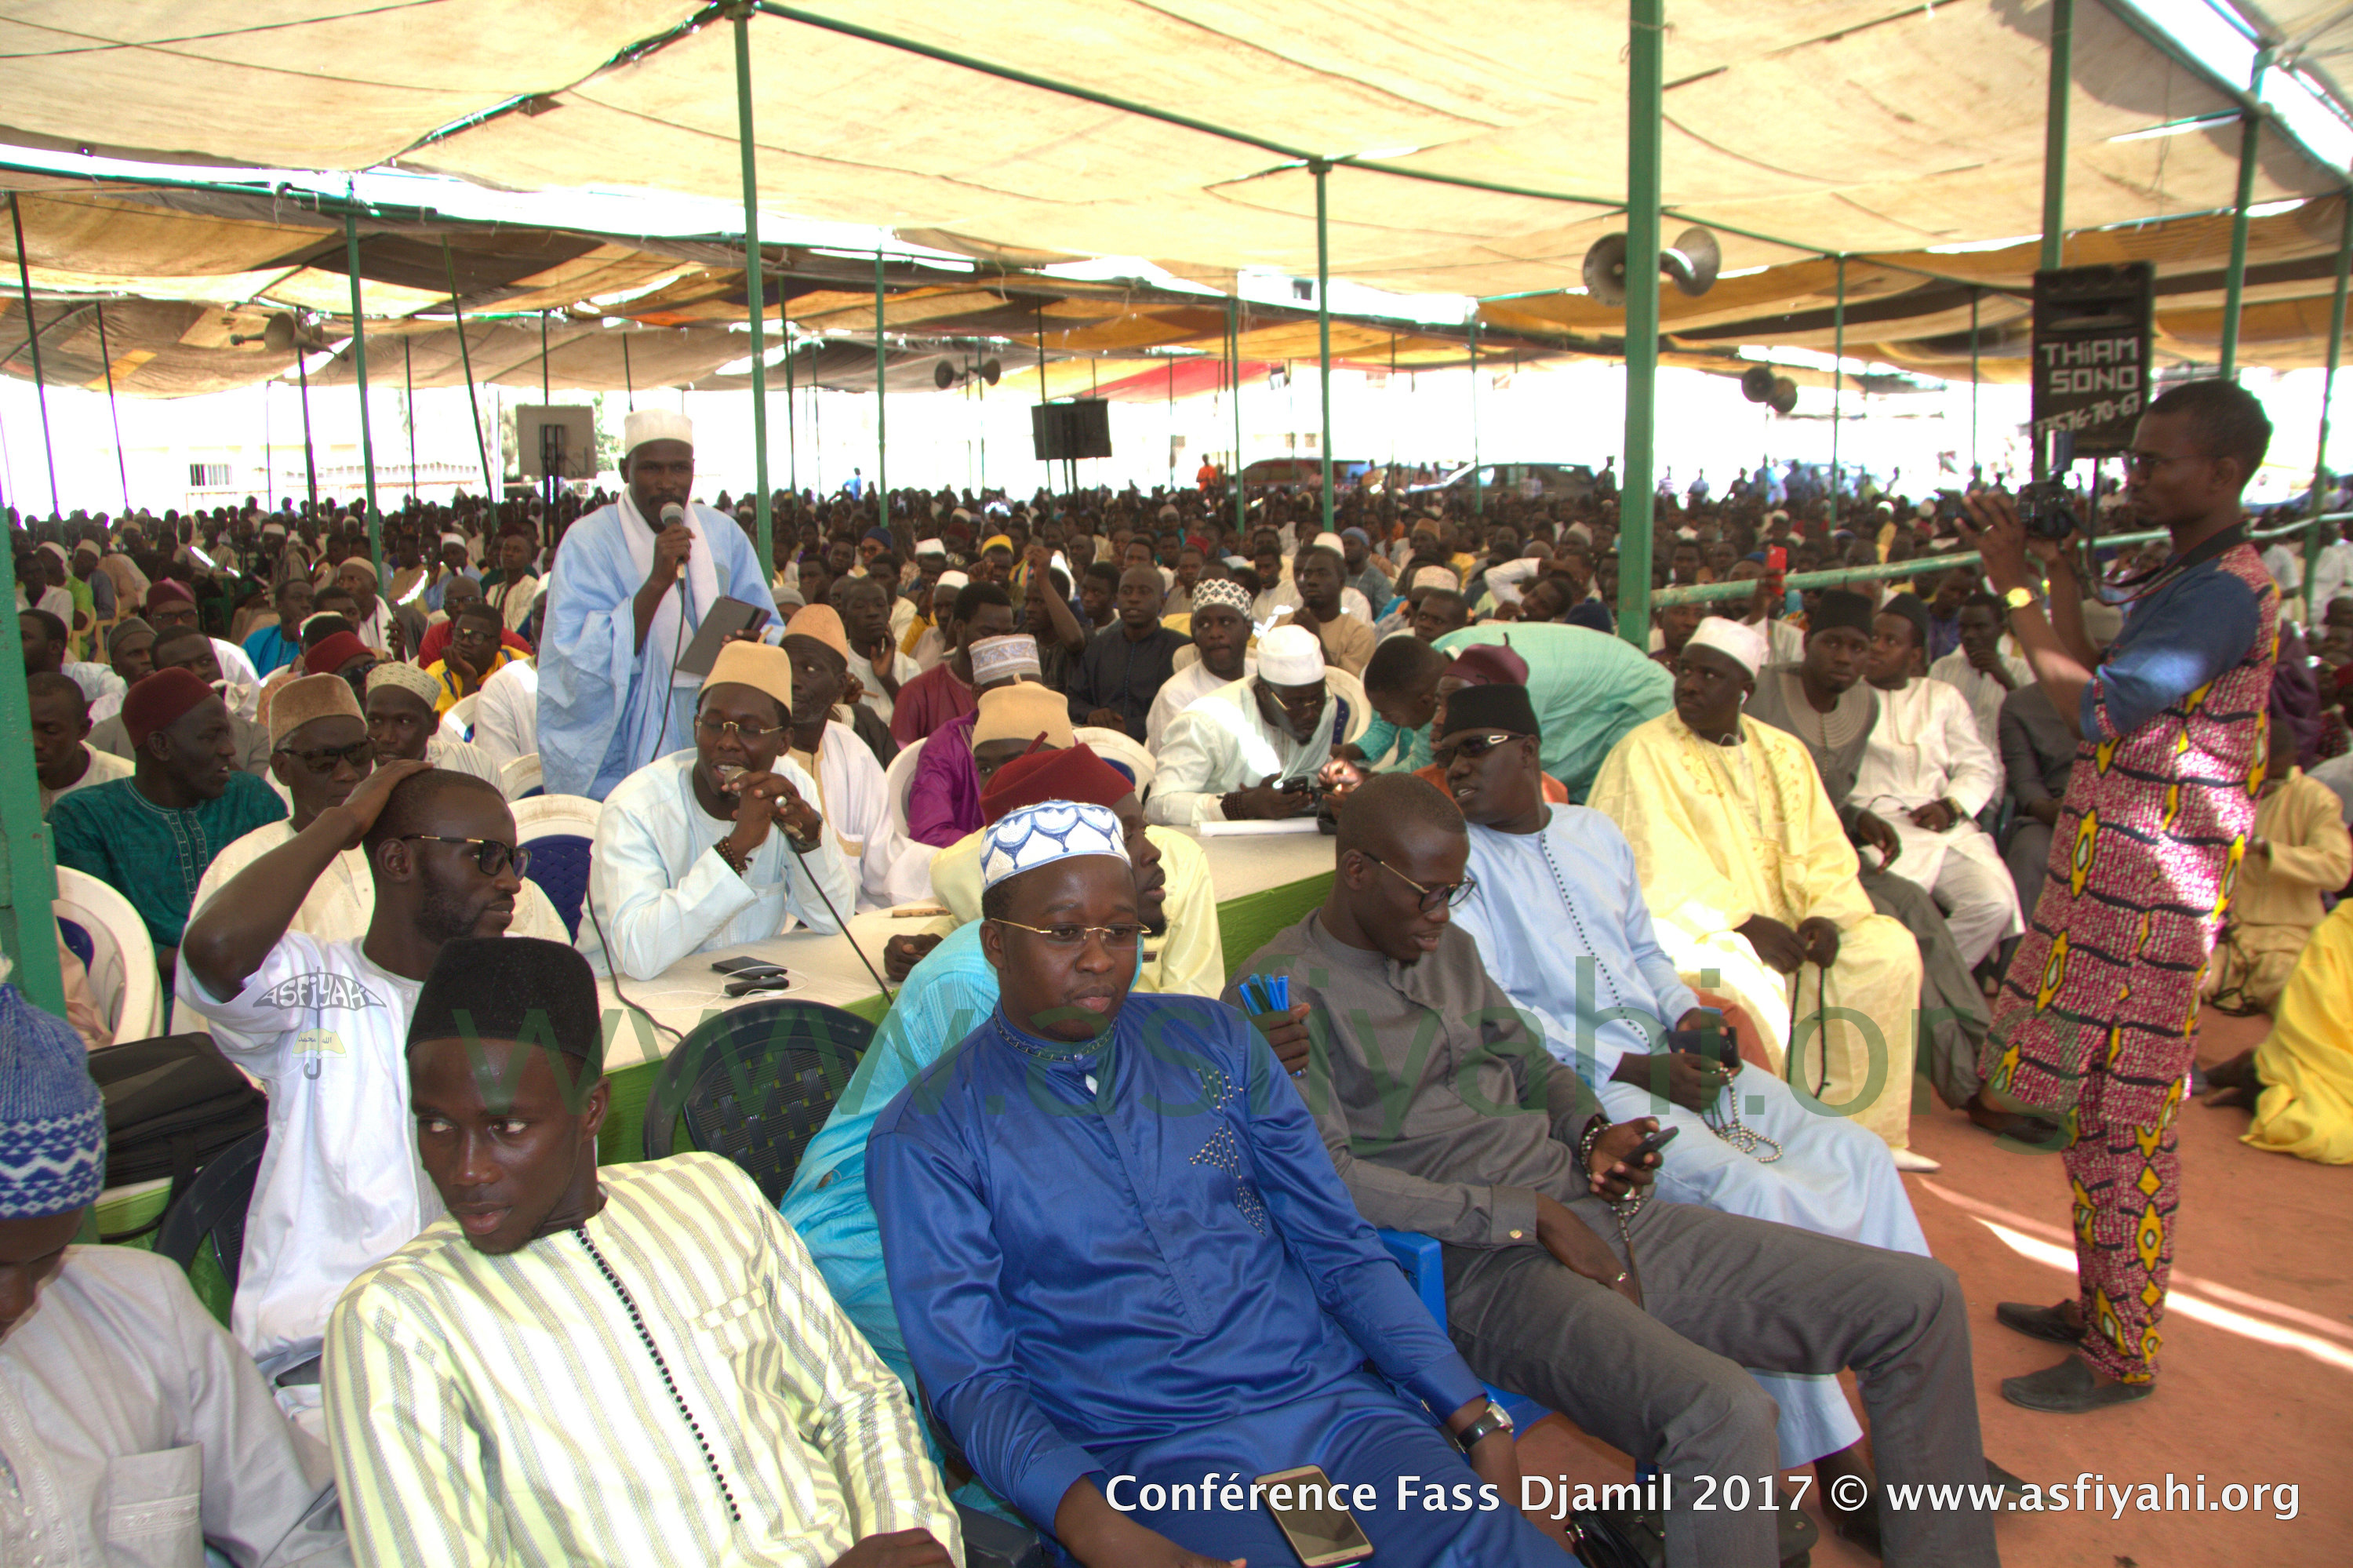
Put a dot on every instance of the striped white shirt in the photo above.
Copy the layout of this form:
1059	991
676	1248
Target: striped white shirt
512	1410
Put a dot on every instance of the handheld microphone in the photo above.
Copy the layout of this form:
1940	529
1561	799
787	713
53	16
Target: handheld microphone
673	515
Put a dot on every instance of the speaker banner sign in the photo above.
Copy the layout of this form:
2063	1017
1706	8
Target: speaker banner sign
2091	368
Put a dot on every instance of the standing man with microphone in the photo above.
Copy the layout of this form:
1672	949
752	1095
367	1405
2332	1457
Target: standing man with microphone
2096	1023
630	584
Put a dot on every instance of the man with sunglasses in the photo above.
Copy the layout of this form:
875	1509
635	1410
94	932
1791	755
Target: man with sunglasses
1121	1259
1250	749
1444	1114
720	845
323	1025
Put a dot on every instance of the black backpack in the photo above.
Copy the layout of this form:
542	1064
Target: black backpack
172	1104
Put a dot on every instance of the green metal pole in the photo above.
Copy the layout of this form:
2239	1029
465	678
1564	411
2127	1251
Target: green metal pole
629	375
1324	329
544	397
408	383
1638	496
2314	540
1478	488
33	340
28	929
122	468
792	411
2234	284
359	363
466	359
1234	368
756	285
1838	380
881	409
2055	131
1973	383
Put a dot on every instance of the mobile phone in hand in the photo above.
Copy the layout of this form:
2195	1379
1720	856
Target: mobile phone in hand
1320	1529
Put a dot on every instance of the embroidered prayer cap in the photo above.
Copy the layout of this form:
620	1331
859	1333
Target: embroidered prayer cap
403	677
1736	639
952	579
122	628
1488	664
511	988
645	425
1436	578
331	653
52	1119
1841	607
1074	773
1023	711
299	702
1490	708
822	623
168	591
357	563
1038	835
160	701
930	547
1004	658
1327	540
1221	591
757	665
1289	656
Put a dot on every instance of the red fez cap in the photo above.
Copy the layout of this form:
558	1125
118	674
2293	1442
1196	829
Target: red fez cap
1489	664
160	701
169	592
1075	773
334	652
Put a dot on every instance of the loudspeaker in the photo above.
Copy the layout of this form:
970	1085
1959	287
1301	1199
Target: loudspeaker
1757	383
1785	396
1081	428
943	375
1690	263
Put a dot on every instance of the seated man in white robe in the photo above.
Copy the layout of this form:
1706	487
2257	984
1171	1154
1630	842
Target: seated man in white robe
1927	773
1754	890
1252	749
593	1366
133	1428
716	845
506	713
1560	924
626	595
1221	644
850	793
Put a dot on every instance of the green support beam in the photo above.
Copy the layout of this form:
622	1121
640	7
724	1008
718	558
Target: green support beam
2251	130
1478	488
466	360
1323	328
2313	541
882	412
1837	381
33	341
1234	365
106	357
756	281
28	926
2055	131
359	366
1638	495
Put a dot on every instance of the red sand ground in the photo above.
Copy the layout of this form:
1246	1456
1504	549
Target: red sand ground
2257	1379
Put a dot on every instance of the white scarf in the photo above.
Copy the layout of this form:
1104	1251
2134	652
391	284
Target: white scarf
701	577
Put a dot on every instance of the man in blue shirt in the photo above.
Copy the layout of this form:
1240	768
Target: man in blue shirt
1125	1263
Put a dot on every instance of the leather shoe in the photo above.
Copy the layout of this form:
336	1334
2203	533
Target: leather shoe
2070	1389
2038	1322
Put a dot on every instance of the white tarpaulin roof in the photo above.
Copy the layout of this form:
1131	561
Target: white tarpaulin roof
1840	125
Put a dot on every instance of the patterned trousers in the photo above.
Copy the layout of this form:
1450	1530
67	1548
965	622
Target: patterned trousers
2126	1184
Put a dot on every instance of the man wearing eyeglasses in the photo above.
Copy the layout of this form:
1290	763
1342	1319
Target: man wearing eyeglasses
1444	1114
1121	1257
720	845
324	1026
1251	748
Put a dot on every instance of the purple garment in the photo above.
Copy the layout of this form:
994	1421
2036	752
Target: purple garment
2295	705
944	803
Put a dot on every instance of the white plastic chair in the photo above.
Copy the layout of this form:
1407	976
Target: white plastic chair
1118	745
520	777
460	715
559	831
121	959
899	784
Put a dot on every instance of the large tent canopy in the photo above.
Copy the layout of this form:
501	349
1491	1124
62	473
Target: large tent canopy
1481	150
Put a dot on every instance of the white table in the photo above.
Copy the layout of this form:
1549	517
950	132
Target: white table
825	967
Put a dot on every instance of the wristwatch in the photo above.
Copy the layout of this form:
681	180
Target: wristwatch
1494	1420
2020	598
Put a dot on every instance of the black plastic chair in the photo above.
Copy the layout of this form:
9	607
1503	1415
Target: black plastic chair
756	1083
214	1206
